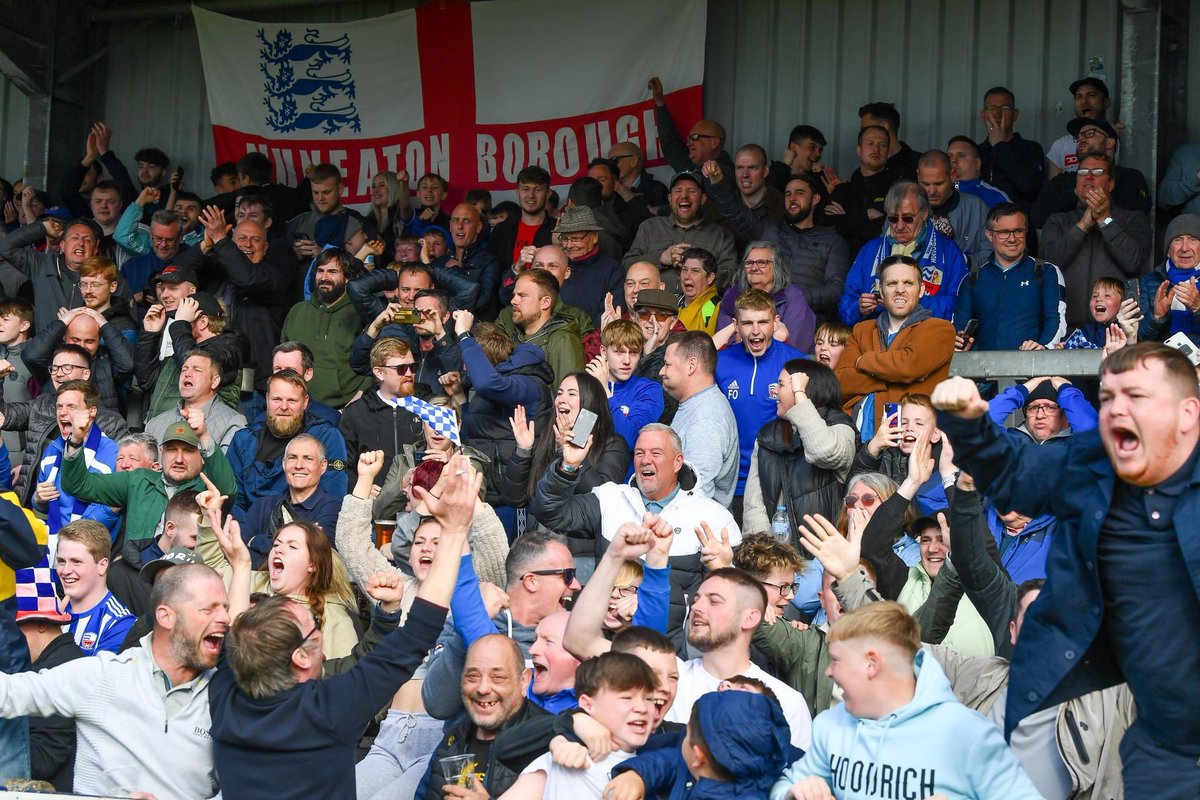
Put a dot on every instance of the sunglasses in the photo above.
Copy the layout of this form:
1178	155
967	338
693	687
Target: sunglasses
695	137
401	369
567	573
907	219
1093	171
661	316
866	498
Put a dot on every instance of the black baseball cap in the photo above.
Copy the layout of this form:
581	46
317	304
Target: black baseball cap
1096	83
1079	123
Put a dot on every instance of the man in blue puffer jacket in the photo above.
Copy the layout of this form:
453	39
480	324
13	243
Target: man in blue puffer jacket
256	452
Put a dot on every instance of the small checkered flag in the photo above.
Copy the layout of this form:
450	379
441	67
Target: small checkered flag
441	419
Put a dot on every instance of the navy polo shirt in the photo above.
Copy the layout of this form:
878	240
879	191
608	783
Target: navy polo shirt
1151	612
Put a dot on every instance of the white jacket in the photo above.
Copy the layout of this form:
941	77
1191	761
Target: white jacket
121	722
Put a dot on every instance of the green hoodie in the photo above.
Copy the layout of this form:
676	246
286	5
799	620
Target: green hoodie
328	331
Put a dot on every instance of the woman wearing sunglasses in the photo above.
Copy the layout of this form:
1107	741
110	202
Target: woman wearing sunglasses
801	459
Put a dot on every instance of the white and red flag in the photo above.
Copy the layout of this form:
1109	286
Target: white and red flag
471	91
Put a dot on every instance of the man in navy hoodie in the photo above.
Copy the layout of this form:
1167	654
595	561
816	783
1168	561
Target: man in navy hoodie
278	730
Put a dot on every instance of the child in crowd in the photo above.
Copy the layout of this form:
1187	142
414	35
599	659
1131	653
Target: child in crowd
735	745
829	341
1108	305
615	690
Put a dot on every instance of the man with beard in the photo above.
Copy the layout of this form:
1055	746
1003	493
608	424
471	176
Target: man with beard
198	382
327	323
254	281
132	707
494	681
430	341
55	272
816	254
724	616
187	449
377	420
534	298
662	240
257	451
199	323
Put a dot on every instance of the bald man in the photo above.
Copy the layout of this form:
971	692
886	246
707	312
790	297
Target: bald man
552	259
467	252
631	165
256	278
705	142
111	352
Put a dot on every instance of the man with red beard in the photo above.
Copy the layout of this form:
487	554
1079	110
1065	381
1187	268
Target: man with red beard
257	451
1121	600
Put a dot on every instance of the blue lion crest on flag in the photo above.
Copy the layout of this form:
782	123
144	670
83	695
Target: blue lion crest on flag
321	95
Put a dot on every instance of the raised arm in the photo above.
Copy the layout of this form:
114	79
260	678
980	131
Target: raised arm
584	636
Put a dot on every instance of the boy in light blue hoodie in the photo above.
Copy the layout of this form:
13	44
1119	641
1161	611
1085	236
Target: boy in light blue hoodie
895	696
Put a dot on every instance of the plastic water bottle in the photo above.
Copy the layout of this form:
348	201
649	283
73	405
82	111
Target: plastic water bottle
781	524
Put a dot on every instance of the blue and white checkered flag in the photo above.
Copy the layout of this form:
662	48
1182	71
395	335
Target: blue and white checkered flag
1077	341
441	419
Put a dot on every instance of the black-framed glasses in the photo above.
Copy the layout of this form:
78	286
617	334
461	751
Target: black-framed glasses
907	219
401	369
625	591
64	369
695	137
784	589
567	573
1014	233
1042	410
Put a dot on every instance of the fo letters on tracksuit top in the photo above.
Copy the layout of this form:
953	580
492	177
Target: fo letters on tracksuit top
749	384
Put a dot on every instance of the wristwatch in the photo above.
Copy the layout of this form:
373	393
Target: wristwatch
1104	223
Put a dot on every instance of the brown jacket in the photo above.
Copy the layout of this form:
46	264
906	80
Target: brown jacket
918	358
